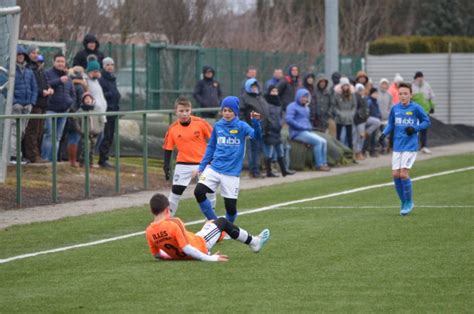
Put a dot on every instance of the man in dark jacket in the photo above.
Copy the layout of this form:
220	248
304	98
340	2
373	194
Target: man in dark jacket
34	129
24	98
288	86
252	100
208	92
108	82
62	99
323	104
91	47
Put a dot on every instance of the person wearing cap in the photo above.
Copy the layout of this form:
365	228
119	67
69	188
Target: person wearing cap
423	95
60	102
94	87
207	91
108	82
24	98
34	129
345	105
393	89
222	162
253	100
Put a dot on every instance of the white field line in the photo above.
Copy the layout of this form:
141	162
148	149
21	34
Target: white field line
252	211
377	207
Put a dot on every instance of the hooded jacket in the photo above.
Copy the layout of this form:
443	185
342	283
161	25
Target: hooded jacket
385	103
41	83
323	109
81	56
287	88
297	115
207	92
226	148
344	109
272	129
26	89
108	82
253	102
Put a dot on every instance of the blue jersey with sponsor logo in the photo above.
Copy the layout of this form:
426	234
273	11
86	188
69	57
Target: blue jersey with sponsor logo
402	117
226	148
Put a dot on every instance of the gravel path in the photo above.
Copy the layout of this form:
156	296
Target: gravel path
58	211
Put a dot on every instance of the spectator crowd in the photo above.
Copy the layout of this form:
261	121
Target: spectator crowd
294	107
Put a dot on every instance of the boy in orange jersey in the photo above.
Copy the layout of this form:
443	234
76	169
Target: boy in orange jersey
168	239
189	134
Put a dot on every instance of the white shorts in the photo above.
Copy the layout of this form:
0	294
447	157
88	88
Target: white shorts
403	160
210	233
229	184
183	174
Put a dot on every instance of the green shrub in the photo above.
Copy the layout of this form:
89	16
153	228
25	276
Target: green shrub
421	44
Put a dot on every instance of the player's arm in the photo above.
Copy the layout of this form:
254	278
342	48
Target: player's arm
255	131
168	147
390	123
200	256
425	121
210	149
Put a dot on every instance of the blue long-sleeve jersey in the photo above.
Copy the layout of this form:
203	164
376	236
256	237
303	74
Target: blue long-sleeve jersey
402	117
226	148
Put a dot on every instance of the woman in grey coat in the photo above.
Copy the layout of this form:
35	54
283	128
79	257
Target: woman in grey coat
345	105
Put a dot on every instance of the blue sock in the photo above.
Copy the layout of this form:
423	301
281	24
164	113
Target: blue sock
231	218
399	188
206	209
407	189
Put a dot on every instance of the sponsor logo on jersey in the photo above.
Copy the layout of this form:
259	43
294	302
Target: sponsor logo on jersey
228	140
404	121
409	113
234	131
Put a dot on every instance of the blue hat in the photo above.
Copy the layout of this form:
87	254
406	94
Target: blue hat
232	103
92	65
40	58
20	50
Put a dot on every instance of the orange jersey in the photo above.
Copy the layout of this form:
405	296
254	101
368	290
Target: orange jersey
190	140
171	236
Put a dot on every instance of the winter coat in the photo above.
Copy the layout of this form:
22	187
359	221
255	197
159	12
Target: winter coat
323	110
80	87
297	115
423	95
374	110
96	91
64	95
41	83
26	89
271	82
81	56
287	89
272	130
253	102
344	109
108	82
362	111
207	92
96	124
393	91
384	100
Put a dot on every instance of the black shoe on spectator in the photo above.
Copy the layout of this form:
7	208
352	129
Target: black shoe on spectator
106	165
13	161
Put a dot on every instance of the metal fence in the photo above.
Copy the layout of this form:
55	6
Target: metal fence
151	76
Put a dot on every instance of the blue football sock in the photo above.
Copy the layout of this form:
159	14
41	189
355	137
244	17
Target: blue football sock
399	188
231	218
407	189
206	209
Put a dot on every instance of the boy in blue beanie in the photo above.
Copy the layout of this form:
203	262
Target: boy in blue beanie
222	162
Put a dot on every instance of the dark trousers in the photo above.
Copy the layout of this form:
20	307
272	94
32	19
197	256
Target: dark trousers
34	136
348	133
424	138
109	131
254	150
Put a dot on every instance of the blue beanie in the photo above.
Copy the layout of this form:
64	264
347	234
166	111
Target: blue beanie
232	103
92	65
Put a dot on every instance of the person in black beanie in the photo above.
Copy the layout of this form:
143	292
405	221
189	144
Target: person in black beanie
272	133
208	92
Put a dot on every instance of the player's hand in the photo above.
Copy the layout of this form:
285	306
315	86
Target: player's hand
195	174
221	258
167	172
431	110
382	139
410	130
255	115
163	255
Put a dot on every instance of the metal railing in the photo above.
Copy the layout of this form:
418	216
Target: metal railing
85	138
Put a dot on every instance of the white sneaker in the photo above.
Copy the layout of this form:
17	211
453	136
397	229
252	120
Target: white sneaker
261	239
426	150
